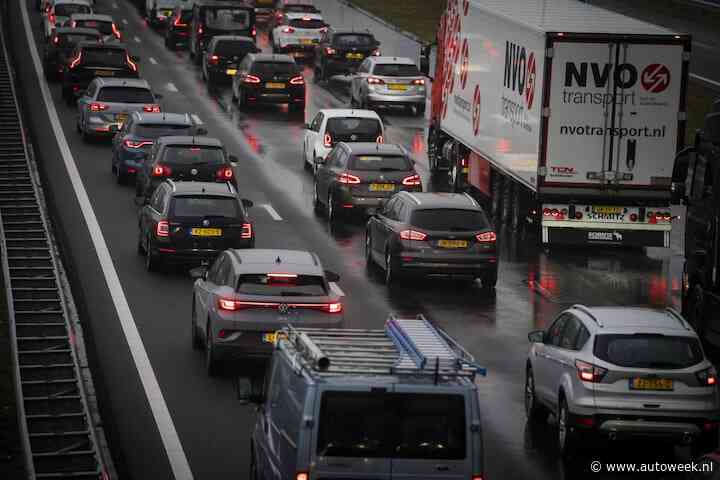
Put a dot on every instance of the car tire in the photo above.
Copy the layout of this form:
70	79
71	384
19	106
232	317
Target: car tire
488	282
392	271
152	261
534	411
317	204
196	340
330	210
120	176
140	247
211	362
420	110
369	261
306	164
566	436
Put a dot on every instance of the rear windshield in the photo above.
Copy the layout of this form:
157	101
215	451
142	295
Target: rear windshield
204	206
233	48
396	70
125	95
227	18
283	284
382	163
363	129
301	9
648	351
148	130
311	23
449	219
268	69
67	9
101	26
71	39
184	155
104	57
354	40
405	425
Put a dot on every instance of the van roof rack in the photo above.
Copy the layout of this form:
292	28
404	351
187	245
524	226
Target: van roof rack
407	346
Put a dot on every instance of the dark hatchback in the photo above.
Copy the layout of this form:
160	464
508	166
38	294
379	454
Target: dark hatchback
90	60
60	48
177	31
224	55
432	234
341	52
359	176
199	159
192	222
264	78
219	17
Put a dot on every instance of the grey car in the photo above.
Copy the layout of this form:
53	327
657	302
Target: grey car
104	24
622	373
388	81
107	103
247	295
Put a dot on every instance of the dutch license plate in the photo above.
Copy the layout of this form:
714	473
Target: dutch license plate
354	56
269	337
306	41
274	86
452	243
104	73
607	209
231	71
382	187
651	384
206	232
397	86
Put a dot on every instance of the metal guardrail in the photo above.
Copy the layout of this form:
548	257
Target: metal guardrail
59	436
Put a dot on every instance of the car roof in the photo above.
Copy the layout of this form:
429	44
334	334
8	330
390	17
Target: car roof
298	2
308	15
189	140
91	16
633	320
223	189
367	148
348	112
221	3
91	44
163	117
392	60
81	31
441	200
301	262
122	82
349	32
270	57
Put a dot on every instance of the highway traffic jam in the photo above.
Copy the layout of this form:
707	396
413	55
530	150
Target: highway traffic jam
429	180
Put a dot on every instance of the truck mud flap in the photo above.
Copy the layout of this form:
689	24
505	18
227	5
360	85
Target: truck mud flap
612	237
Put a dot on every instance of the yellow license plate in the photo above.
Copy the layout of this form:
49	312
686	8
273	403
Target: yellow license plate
382	187
275	86
607	209
168	13
354	56
206	232
452	243
397	86
269	337
651	384
231	71
306	41
104	73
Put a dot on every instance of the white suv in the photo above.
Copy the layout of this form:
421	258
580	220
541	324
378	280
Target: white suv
622	372
331	126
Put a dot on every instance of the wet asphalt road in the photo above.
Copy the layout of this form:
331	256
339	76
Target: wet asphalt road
214	430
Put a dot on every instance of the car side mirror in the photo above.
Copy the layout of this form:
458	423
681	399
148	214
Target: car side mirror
711	130
232	158
247	203
331	276
249	390
537	336
198	272
201	131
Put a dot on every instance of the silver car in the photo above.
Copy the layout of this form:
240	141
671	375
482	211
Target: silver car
622	373
388	81
104	24
107	102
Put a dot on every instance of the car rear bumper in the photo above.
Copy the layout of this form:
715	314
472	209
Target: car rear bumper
274	98
437	265
389	99
130	165
170	254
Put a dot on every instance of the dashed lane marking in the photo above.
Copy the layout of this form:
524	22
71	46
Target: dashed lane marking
336	289
124	21
171	87
137	39
153	61
705	80
196	119
273	213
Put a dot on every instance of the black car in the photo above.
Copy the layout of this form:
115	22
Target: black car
60	48
200	159
90	60
359	176
342	51
432	234
265	78
223	56
177	31
219	17
192	222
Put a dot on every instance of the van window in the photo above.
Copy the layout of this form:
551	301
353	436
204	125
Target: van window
227	18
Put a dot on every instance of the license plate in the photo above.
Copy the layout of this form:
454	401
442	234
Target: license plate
121	118
269	337
306	41
206	232
274	86
231	71
651	384
382	187
452	243
104	73
354	56
607	209
397	86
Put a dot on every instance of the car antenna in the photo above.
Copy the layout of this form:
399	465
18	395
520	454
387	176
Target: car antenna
277	260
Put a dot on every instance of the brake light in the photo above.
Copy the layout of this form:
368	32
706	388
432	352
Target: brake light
251	79
376	52
707	377
130	63
282	275
214	59
161	171
56	39
232	305
477	477
546	212
178	22
333	307
253	32
225	173
375	81
151	108
73	24
247	231
323	30
348	179
75	61
330	51
98	107
413	235
51	19
139	144
299	80
418	81
380	139
301	476
587	372
486	237
162	229
327	140
115	31
279	15
228	304
412	180
200	30
288	30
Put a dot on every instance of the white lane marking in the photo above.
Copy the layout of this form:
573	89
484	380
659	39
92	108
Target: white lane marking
705	80
137	39
168	434
171	87
124	21
336	289
706	46
115	6
153	61
273	213
196	119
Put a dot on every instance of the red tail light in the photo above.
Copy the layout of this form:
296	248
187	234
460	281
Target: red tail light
587	372
346	178
380	139
288	30
477	477
330	51
418	81
633	217
279	15
707	377
73	24
98	107
413	235
486	237
162	229
251	79
115	31
301	476
253	32
336	307
161	171
76	61
51	19
233	305
214	59
299	80
138	144
323	30
228	304
376	53
375	81
327	140
546	212
56	39
200	30
412	180
152	108
306	19
247	231
224	174
130	63
178	22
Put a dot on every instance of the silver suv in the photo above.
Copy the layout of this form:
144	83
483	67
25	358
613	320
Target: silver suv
622	373
388	81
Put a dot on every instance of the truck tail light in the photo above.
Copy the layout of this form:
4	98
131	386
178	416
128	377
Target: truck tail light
348	179
224	174
247	231
587	372
486	237
299	80
161	171
162	229
413	235
707	377
375	81
327	140
97	107
151	108
412	180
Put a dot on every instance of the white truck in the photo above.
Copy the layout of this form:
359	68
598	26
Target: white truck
561	115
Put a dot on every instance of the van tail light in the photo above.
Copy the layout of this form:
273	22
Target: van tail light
138	144
418	81
375	81
299	80
707	377
413	235
247	231
327	140
486	237
224	174
214	59
251	79
288	30
76	61
161	171
131	64
98	107
587	372
348	179
330	51
151	108
162	229
380	139
412	180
